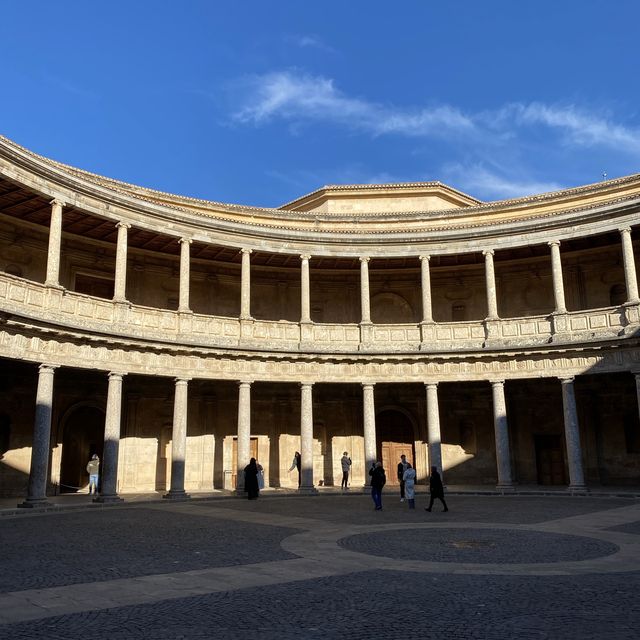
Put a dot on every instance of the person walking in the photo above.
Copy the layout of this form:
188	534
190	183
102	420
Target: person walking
402	467
251	480
346	467
436	489
409	479
297	463
378	480
93	469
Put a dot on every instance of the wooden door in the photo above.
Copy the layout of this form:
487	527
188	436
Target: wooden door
234	458
550	460
391	452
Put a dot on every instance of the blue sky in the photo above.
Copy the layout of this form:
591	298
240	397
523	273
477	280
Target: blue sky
260	102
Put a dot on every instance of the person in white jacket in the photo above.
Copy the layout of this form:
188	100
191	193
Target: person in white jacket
409	477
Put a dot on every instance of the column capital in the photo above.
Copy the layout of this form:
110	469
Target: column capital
46	367
185	240
431	384
123	225
181	381
553	243
247	251
306	384
58	202
567	380
245	383
424	256
116	374
364	259
497	382
368	384
624	229
488	252
305	256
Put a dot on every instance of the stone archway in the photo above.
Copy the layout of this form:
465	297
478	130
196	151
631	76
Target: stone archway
83	435
395	436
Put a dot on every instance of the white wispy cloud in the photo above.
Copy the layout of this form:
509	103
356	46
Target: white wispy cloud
309	41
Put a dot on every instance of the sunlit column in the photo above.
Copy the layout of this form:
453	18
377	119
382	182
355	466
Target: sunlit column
55	240
109	483
630	277
369	412
427	313
364	291
185	260
433	427
501	427
305	290
37	489
244	431
179	440
572	435
306	436
245	287
556	270
120	287
490	278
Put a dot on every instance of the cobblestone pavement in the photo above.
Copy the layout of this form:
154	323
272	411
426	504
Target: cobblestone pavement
325	567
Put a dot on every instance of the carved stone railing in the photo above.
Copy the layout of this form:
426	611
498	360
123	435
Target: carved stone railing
70	310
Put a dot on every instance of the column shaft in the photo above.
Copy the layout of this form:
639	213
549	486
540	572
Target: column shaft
305	290
244	432
630	277
109	484
490	278
433	427
306	436
179	440
364	292
55	240
185	260
501	428
558	284
369	412
245	288
120	287
572	435
39	471
427	312
637	377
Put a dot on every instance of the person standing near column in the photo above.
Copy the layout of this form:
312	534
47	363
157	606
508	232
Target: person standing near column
297	463
409	479
93	469
378	480
345	461
402	467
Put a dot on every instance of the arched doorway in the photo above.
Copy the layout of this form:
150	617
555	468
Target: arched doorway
395	437
83	436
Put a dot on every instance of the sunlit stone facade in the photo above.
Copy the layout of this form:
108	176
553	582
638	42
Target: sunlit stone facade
177	338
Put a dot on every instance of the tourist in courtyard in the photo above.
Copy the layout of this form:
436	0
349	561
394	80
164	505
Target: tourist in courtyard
436	489
346	467
402	467
260	476
378	480
251	480
93	469
409	478
297	463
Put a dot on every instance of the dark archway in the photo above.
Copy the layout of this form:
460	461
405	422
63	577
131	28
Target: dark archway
83	436
395	436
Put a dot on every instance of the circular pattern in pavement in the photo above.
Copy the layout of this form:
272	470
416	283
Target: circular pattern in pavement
482	546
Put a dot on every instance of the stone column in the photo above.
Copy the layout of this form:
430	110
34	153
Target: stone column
245	288
369	412
39	471
120	288
637	377
364	292
572	436
185	260
490	278
179	441
305	290
501	427
244	432
433	427
109	465
427	312
558	284
306	437
630	278
55	240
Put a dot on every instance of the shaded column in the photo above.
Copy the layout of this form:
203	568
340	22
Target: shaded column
501	427
305	290
244	432
490	279
425	277
245	287
306	437
179	441
572	435
433	427
556	271
369	413
38	473
109	470
365	307
630	277
185	260
120	286
55	240
637	377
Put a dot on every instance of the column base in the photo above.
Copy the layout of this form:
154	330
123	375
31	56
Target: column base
107	499
578	488
307	490
176	495
505	488
32	503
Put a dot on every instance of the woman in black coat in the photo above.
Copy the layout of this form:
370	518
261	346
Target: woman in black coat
251	480
436	489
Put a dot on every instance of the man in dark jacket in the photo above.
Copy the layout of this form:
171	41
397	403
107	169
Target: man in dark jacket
436	489
378	480
402	467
